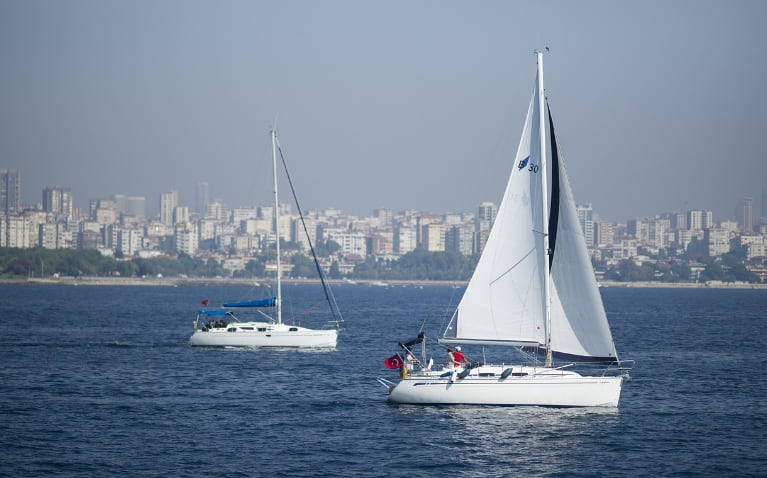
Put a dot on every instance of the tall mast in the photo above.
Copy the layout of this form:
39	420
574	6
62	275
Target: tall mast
278	304
544	201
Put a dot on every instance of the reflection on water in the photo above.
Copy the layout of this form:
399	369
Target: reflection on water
498	440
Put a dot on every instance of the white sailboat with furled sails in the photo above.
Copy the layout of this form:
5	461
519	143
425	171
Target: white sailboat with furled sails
222	328
533	289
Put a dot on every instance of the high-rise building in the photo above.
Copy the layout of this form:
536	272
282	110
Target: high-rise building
678	220
586	220
384	216
10	191
764	205
135	206
10	200
168	202
202	198
485	216
180	215
58	200
698	220
745	214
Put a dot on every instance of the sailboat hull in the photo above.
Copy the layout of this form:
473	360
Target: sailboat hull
545	387
277	335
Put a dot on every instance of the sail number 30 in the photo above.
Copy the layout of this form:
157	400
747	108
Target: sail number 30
532	168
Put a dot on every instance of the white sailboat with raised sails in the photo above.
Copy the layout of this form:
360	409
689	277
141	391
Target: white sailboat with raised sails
533	289
222	328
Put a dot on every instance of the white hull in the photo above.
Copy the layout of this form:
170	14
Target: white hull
485	386
276	335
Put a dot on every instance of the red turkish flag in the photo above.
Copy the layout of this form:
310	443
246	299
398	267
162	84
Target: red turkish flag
395	361
204	302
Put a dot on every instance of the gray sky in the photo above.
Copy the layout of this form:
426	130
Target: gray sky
660	105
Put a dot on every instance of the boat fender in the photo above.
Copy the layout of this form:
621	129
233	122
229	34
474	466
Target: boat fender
446	374
506	373
464	373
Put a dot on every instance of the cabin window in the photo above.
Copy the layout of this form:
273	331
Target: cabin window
293	329
246	328
519	374
232	329
262	329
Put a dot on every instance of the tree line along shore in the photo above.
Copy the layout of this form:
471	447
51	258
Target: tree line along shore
239	282
419	267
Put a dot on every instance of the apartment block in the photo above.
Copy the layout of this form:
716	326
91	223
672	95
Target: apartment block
186	240
351	243
298	235
404	239
459	238
433	237
129	241
15	231
700	219
604	232
717	241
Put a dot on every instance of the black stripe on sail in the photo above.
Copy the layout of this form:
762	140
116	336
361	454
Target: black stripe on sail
554	215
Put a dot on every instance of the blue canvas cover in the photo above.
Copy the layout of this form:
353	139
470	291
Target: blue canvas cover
254	303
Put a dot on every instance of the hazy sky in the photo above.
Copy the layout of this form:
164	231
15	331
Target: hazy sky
660	105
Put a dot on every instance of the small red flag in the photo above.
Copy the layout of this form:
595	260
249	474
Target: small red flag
395	361
204	302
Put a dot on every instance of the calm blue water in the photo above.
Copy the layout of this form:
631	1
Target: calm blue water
99	381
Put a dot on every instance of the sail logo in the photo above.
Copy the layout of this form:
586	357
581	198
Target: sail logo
523	163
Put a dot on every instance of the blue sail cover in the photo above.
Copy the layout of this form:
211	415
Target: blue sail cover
271	302
212	312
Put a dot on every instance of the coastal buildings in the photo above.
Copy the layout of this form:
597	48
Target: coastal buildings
118	226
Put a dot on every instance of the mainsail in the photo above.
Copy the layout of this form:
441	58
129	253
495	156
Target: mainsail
506	300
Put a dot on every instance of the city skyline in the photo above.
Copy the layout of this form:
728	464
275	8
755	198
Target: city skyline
745	209
118	226
659	107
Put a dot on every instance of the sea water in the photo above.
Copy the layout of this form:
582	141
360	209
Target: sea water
100	381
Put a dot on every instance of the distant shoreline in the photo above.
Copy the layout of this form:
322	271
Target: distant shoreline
214	282
223	282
